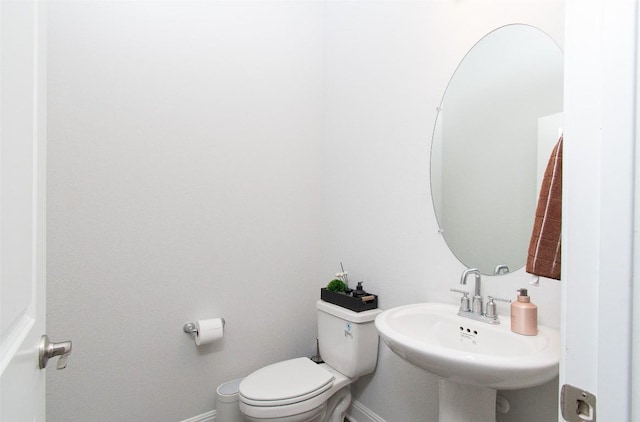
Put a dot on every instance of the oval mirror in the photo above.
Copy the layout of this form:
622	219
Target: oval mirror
497	123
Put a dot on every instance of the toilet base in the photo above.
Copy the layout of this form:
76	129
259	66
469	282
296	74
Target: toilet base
314	415
338	404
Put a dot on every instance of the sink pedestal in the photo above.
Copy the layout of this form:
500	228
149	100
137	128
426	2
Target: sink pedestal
465	403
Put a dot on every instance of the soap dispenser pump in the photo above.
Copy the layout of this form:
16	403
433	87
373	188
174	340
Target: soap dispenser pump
359	291
524	315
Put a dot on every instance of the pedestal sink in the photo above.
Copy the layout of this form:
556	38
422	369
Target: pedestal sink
473	358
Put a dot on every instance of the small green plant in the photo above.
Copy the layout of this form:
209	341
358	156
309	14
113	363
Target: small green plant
337	286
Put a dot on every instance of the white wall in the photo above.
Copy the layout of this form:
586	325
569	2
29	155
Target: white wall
388	64
184	183
221	159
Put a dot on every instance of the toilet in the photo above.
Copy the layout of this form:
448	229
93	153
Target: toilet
300	390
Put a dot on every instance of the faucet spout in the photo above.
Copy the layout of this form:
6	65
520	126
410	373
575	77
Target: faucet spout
476	272
477	297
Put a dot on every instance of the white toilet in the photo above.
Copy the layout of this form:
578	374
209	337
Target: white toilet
299	390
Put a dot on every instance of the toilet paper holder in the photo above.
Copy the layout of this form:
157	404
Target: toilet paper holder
190	327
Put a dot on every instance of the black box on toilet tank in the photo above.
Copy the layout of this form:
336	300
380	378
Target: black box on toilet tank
356	304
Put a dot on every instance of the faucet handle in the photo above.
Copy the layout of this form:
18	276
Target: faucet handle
492	298
459	291
491	306
464	300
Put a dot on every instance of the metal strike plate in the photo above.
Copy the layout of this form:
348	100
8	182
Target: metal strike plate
577	405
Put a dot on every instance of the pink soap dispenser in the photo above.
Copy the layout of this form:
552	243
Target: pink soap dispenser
524	315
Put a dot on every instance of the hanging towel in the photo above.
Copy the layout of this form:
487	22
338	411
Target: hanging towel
544	247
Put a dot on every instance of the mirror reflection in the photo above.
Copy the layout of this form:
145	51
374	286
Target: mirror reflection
498	121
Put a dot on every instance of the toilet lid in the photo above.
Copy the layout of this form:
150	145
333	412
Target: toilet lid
286	382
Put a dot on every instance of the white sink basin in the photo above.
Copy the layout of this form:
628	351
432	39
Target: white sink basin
433	337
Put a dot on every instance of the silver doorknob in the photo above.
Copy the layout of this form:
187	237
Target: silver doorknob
49	350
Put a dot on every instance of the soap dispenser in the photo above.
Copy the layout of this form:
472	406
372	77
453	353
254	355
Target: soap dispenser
359	291
524	315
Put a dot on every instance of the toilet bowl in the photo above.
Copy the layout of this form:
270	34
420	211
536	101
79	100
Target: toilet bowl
294	390
300	390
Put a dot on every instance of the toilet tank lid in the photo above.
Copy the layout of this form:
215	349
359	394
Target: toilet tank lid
346	314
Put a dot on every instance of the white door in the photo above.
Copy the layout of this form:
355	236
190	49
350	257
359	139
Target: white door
598	206
22	212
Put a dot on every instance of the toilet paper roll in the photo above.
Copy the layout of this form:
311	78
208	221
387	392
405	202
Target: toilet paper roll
209	330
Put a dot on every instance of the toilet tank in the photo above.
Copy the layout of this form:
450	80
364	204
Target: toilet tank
348	340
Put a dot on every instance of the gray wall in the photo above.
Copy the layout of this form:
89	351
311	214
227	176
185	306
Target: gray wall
184	183
220	159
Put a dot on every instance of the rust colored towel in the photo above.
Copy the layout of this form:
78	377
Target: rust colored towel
544	247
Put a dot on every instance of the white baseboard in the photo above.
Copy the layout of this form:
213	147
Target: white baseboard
205	417
358	412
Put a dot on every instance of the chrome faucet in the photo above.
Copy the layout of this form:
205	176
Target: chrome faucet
475	311
476	306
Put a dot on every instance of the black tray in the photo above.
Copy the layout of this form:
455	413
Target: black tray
355	304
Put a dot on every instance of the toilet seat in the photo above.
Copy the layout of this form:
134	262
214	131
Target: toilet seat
283	383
